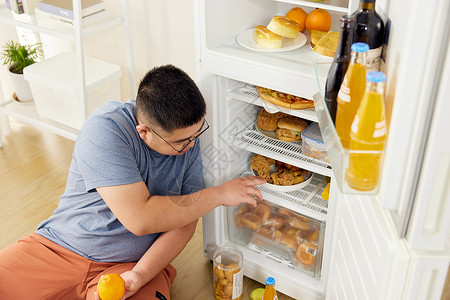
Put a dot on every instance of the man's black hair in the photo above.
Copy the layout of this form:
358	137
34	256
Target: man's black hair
169	97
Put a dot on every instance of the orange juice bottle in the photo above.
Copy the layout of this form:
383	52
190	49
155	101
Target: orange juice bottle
368	133
270	293
351	92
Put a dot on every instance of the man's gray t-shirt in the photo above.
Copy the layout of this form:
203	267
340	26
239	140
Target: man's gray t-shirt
109	152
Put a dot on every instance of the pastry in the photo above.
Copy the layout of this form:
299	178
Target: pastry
306	253
263	211
266	38
284	27
251	221
284	212
299	223
275	222
266	232
289	242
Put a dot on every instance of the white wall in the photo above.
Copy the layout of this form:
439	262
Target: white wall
162	32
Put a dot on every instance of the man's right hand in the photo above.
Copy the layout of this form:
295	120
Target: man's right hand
240	190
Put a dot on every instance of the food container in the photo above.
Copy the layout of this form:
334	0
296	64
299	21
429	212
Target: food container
293	239
228	273
55	87
312	143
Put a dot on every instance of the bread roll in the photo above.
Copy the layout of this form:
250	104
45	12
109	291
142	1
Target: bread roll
275	222
251	221
243	209
306	253
277	235
299	223
289	242
268	121
284	212
312	236
266	232
266	38
284	27
263	211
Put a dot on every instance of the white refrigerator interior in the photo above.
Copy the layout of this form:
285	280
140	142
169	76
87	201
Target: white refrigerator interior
387	245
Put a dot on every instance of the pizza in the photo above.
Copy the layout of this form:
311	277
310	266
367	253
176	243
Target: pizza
283	99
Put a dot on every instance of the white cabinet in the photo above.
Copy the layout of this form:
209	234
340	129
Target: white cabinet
27	112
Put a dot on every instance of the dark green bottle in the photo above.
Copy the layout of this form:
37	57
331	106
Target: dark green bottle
369	29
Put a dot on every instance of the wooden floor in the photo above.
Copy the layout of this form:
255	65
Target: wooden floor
33	173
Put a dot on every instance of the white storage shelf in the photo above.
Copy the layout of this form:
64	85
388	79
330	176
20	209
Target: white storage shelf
62	32
53	83
28	113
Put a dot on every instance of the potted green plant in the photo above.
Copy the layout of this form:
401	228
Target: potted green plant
17	57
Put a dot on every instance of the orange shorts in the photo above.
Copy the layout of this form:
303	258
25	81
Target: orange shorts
37	268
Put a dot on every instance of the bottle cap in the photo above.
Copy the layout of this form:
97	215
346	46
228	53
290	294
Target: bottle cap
270	281
360	47
376	76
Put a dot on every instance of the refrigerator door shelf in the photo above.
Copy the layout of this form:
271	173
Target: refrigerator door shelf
339	157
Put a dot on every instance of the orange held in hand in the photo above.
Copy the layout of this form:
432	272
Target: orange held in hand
298	15
111	287
318	19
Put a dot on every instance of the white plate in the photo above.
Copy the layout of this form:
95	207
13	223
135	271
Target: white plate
267	133
245	39
287	188
324	56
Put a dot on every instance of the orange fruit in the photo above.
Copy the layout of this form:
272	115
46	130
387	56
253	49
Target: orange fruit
318	19
298	15
111	287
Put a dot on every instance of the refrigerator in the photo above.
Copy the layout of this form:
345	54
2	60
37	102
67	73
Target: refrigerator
389	243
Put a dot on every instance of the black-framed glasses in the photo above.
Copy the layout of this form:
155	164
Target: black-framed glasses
188	141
